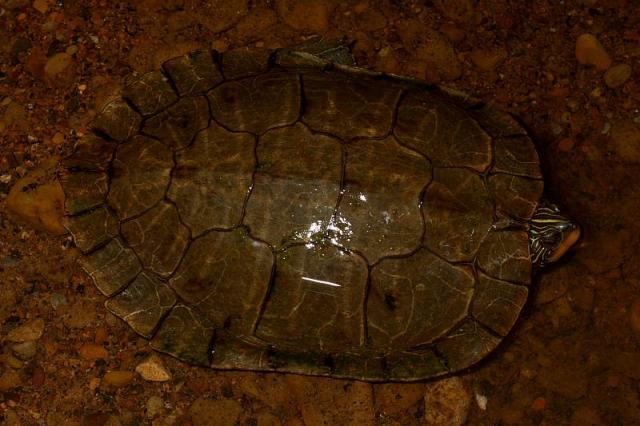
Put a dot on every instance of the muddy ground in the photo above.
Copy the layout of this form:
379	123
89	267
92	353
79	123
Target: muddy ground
574	357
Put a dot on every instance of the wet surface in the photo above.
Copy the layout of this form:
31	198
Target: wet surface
574	354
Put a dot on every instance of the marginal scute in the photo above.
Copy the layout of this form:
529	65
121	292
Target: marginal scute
316	301
299	362
245	61
443	131
142	304
83	190
380	205
498	124
193	73
150	92
185	334
91	154
515	196
505	255
516	156
497	304
465	345
404	365
211	179
111	267
117	120
300	196
400	287
140	176
215	278
458	214
346	107
230	352
92	228
353	365
257	104
177	125
158	237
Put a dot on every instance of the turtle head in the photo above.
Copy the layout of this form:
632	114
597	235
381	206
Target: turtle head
551	234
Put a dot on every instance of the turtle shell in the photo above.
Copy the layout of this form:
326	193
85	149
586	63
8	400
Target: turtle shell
254	211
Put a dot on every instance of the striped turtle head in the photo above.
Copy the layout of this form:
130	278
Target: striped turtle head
551	234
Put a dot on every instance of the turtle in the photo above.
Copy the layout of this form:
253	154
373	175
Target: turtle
287	211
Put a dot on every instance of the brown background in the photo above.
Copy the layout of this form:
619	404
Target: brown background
575	355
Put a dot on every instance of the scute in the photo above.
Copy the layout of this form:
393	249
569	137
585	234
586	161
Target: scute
273	211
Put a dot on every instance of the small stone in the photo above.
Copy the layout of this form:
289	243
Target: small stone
25	350
9	380
221	412
617	75
38	199
482	401
155	406
152	370
118	379
57	64
13	362
566	144
488	59
38	376
92	351
41	6
447	402
589	51
58	139
27	332
539	404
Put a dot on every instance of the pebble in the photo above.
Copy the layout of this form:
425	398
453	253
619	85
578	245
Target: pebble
155	406
92	351
57	64
589	51
13	362
219	412
539	404
38	199
152	370
41	6
482	401
118	378
29	331
25	350
617	75
488	59
447	402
